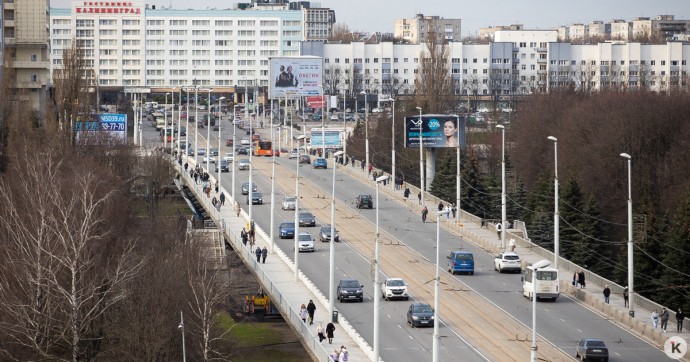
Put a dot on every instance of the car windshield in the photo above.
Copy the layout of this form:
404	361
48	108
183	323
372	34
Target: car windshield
595	344
511	257
547	275
423	309
304	237
326	229
256	194
306	215
350	284
463	257
365	197
289	199
287	225
395	283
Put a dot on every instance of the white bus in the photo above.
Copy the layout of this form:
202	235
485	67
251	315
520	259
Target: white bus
547	283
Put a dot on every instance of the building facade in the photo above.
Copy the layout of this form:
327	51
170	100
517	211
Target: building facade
25	41
415	30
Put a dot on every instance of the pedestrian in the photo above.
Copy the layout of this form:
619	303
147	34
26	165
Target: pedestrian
222	198
264	254
581	278
319	332
244	236
511	244
419	196
311	308
575	279
214	201
679	320
655	319
216	186
186	166
454	209
664	319
352	161
370	167
607	294
218	206
330	328
440	206
448	212
343	354
626	296
362	164
406	193
425	211
238	208
335	355
303	313
258	254
498	230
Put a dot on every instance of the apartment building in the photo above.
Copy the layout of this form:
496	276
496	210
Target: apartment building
662	27
490	32
415	30
25	40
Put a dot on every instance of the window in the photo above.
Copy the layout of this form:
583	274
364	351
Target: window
201	22
223	22
268	23
178	43
245	22
223	32
152	32
201	32
178	22
221	43
130	32
201	43
178	32
264	33
154	22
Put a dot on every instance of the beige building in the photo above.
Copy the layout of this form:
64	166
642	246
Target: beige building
661	26
415	30
26	37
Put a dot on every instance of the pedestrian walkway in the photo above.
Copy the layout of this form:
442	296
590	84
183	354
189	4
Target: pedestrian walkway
483	234
277	277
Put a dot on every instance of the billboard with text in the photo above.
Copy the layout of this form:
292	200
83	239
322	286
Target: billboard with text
295	76
332	138
437	131
110	128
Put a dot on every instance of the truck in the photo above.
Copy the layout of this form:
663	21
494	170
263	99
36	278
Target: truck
394	288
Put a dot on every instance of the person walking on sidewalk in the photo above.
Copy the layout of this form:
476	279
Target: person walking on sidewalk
311	308
655	319
320	332
406	193
440	206
511	244
264	254
330	328
575	279
335	355
244	236
581	278
222	198
498	230
425	211
419	196
238	209
607	294
664	319
303	313
258	254
679	320
626	296
343	354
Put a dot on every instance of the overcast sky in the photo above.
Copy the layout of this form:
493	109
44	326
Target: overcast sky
379	15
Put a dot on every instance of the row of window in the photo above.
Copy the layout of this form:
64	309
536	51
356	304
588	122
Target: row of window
179	22
366	60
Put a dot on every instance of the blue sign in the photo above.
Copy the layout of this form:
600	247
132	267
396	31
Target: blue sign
332	138
110	126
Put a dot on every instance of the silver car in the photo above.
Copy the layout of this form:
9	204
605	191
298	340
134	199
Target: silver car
306	242
289	203
244	164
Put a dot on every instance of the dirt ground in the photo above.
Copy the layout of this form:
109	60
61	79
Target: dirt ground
257	340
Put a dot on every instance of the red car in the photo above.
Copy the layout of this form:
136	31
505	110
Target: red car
229	142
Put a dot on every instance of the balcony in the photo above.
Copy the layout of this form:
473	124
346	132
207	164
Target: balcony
542	61
541	49
29	65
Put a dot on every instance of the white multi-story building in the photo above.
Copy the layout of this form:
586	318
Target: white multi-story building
415	30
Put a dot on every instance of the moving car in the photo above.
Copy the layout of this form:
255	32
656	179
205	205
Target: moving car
210	159
461	262
420	315
242	150
257	198
592	348
304	159
350	289
229	156
306	219
245	188
320	163
214	152
508	261
286	230
289	203
229	142
306	242
223	166
326	233
245	141
244	164
201	151
293	154
394	288
364	201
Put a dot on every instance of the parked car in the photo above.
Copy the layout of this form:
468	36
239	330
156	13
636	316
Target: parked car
245	188
350	289
306	242
244	164
304	159
223	166
289	203
306	219
326	233
257	198
320	163
334	117
286	230
508	261
364	201
590	348
420	315
394	288
461	262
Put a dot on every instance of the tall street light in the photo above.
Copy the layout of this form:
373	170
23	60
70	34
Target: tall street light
234	129
536	266
556	215
273	178
377	289
179	122
196	124
344	125
393	148
208	134
165	128
299	138
220	171
503	186
323	121
437	279
181	327
186	134
631	309
331	274
421	157
251	172
366	127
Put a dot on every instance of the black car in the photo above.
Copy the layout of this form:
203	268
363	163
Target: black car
245	188
224	166
364	201
326	233
257	198
242	150
350	289
304	159
420	315
306	219
591	348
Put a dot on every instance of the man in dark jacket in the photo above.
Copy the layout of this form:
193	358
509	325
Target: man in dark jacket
311	308
607	294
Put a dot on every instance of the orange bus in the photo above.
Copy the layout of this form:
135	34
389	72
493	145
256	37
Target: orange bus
263	148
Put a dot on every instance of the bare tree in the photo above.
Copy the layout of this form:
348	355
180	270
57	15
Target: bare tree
433	82
340	33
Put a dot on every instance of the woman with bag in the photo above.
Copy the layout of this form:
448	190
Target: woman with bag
330	328
319	332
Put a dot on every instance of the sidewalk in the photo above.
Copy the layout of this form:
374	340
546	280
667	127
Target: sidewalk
469	228
277	278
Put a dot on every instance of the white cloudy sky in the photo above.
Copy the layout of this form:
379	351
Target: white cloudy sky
379	15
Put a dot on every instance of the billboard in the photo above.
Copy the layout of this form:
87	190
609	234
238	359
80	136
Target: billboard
332	138
296	76
438	131
110	128
316	101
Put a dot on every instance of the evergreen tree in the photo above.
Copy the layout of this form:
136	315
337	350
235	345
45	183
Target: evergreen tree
539	218
647	249
589	245
444	183
572	218
676	268
474	193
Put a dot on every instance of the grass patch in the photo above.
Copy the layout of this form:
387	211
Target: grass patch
167	207
248	334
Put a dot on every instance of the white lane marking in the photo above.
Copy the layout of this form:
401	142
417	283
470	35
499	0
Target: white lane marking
579	330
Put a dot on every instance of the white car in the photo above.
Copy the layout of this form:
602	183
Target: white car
306	242
210	159
376	110
508	261
245	141
229	157
394	288
289	203
293	154
244	164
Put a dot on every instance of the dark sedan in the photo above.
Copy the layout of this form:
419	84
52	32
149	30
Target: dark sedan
306	219
224	166
420	315
304	159
257	198
326	233
591	348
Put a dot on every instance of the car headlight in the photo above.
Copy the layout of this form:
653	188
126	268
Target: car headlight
359	290
432	317
414	317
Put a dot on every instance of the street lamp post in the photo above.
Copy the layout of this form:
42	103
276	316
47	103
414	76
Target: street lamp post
196	124
323	122
181	327
179	123
556	214
366	127
421	157
299	138
208	135
165	118
251	172
186	134
377	289
220	171
331	274
437	279
503	186
393	149
234	154
536	266
631	295
273	179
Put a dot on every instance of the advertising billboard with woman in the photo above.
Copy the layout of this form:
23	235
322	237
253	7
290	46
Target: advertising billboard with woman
438	131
